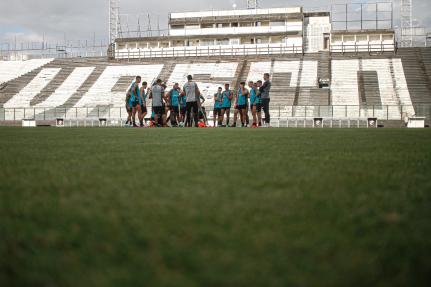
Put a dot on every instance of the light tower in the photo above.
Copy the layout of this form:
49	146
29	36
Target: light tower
114	20
252	4
406	23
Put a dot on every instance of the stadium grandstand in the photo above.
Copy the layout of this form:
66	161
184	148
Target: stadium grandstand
345	75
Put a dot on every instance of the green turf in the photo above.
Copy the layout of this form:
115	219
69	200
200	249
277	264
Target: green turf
215	207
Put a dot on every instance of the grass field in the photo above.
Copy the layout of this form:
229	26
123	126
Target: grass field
215	207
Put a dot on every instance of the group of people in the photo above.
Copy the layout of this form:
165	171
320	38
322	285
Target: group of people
255	98
185	106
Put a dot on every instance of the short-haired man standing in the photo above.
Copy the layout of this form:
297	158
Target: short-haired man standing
157	94
192	93
264	93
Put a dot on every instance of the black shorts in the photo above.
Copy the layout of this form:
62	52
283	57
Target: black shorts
258	108
143	108
128	108
217	112
241	107
175	109
159	110
225	108
135	104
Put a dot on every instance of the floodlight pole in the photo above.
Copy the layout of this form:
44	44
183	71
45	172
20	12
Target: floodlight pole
406	23
252	4
114	20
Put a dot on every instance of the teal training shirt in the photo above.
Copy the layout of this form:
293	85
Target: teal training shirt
241	98
226	101
217	104
252	96
174	98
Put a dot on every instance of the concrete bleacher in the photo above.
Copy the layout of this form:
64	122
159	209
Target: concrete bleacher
10	70
385	86
208	76
33	88
68	88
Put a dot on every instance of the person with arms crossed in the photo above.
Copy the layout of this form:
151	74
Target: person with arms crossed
264	93
218	97
241	105
227	97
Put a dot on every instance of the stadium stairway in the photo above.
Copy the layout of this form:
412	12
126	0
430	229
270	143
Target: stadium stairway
416	73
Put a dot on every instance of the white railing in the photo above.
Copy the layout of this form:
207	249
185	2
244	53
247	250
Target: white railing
291	27
363	47
208	51
380	112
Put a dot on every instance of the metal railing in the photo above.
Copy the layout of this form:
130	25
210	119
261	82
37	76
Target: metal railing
382	112
366	47
208	51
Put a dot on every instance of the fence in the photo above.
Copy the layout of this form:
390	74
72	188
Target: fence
208	51
365	47
381	112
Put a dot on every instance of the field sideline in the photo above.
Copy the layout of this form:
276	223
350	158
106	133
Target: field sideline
215	207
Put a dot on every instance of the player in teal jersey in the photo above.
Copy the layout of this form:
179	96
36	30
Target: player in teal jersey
227	97
134	99
241	105
253	102
174	100
129	107
259	103
143	102
182	107
218	98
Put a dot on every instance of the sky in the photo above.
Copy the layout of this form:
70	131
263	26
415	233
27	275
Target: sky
56	20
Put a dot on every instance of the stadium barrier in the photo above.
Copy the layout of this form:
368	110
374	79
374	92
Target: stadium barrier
278	113
363	47
208	51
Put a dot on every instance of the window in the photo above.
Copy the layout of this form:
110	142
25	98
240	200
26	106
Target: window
258	24
174	27
279	23
374	38
276	40
234	41
387	37
348	38
361	38
336	38
222	41
234	24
